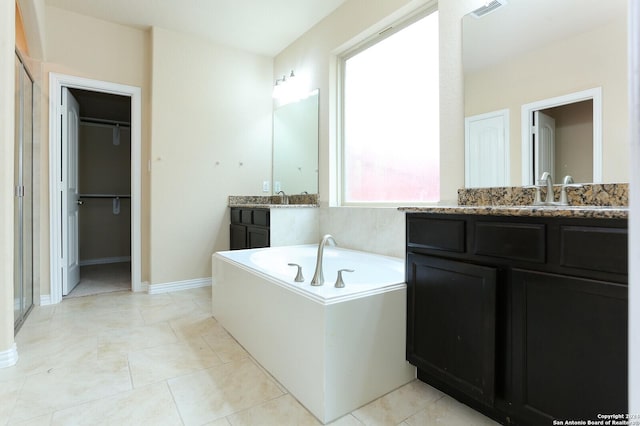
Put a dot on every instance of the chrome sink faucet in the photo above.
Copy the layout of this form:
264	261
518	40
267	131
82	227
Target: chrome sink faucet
283	197
547	180
318	276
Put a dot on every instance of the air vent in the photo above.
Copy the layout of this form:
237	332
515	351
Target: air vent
488	8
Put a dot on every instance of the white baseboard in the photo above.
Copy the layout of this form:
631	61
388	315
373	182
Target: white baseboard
45	299
178	285
9	357
104	260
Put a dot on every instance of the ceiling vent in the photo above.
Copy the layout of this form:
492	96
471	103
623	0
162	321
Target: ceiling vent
489	7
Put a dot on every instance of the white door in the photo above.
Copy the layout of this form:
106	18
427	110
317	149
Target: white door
487	150
544	137
70	251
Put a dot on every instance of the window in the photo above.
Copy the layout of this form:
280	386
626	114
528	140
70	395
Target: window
390	133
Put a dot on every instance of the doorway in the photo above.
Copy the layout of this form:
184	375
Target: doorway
547	122
103	194
64	194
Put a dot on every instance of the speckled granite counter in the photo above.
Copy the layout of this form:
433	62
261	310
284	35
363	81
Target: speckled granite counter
592	212
273	201
596	201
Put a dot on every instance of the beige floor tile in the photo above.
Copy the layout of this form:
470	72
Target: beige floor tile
137	300
60	388
171	360
44	420
9	391
447	411
133	339
92	322
220	422
398	405
200	293
57	353
195	325
149	405
348	420
226	389
284	410
226	348
173	311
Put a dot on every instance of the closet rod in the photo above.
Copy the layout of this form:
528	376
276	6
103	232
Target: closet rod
104	195
91	120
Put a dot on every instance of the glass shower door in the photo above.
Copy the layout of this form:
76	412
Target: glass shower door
23	210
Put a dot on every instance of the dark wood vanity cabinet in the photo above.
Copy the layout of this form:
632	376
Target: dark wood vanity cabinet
522	318
249	228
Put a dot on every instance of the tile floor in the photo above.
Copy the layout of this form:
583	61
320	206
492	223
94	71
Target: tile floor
103	278
138	359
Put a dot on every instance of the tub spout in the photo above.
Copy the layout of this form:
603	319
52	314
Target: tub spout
318	276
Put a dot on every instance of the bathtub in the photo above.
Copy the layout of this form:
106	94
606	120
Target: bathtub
333	349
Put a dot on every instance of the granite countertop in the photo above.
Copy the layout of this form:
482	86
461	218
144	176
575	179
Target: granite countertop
274	201
272	206
593	212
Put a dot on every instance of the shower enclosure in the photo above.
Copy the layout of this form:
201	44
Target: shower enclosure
23	204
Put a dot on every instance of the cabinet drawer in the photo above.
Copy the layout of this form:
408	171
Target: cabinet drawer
261	217
438	234
515	241
594	248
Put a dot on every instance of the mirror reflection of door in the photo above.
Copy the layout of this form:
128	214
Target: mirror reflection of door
563	144
544	134
487	150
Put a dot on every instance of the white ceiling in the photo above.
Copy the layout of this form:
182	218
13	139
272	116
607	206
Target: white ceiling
261	26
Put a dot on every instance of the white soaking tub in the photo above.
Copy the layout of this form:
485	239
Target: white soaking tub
334	349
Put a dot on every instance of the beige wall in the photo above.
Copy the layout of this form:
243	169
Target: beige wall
106	52
7	82
596	58
211	139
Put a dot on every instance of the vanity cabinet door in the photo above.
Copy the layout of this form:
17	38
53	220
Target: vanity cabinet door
238	237
257	237
451	323
569	347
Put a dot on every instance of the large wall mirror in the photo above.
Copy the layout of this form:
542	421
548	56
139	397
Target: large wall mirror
559	62
295	146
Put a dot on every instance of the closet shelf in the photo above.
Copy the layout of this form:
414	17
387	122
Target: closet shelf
104	195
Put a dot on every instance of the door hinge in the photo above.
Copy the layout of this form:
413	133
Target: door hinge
19	191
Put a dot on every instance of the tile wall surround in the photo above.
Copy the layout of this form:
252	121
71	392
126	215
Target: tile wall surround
596	194
273	201
377	230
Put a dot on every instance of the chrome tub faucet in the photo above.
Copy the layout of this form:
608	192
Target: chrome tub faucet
318	276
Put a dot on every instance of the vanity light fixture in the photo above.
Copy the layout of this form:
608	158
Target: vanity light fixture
284	86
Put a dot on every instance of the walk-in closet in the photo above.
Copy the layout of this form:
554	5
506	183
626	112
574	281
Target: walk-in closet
23	205
104	186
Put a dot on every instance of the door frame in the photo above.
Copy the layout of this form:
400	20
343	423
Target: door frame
594	94
56	82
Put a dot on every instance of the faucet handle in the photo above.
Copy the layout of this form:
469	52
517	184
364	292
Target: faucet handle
564	199
339	281
299	278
